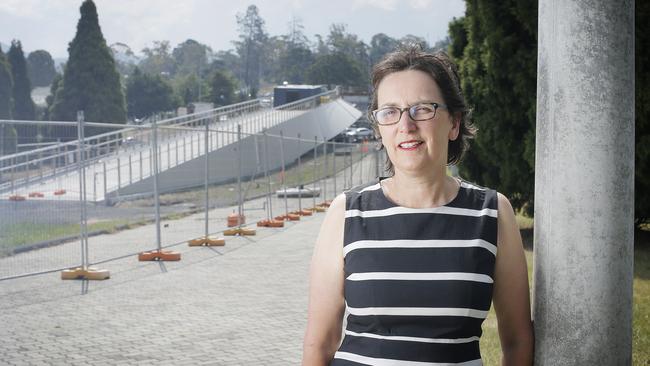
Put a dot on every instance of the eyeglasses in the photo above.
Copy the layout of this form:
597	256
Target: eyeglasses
419	112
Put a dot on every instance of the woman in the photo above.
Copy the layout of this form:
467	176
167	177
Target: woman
417	258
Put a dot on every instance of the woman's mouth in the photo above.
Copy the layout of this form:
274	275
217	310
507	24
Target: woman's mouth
409	145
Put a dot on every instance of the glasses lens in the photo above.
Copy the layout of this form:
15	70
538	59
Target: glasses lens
387	115
421	112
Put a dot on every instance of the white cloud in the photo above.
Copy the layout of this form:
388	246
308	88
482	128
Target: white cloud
420	4
25	8
388	5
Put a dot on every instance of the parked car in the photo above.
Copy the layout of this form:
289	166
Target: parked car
359	134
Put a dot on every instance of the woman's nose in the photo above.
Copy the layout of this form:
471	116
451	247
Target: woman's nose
406	123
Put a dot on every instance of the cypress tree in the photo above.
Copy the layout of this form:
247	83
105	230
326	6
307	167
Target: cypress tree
6	87
23	106
498	69
642	113
90	81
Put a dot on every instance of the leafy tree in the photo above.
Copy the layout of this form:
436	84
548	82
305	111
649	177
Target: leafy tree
642	112
158	59
499	73
23	105
6	102
410	39
250	47
148	94
49	100
294	63
125	58
335	69
90	80
191	57
380	45
341	42
222	89
190	88
40	68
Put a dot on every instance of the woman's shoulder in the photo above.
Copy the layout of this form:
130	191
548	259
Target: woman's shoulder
366	196
472	194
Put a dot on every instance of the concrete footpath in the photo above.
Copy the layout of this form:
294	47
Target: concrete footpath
242	304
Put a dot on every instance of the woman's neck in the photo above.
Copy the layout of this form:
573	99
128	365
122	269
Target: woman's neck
421	192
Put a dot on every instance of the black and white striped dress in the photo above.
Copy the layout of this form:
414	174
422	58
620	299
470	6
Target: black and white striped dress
418	281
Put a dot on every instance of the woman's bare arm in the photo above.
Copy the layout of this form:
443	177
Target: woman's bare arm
326	300
511	295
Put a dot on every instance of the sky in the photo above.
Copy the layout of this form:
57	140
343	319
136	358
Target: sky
51	24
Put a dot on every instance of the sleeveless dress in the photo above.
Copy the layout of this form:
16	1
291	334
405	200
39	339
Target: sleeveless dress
418	281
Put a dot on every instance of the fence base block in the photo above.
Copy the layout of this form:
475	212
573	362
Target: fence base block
80	273
35	195
59	192
302	212
159	255
290	217
207	241
318	209
270	223
325	204
239	231
16	198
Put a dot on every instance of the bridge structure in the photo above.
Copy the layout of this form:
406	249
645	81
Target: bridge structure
119	163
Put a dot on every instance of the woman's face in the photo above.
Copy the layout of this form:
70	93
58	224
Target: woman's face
415	148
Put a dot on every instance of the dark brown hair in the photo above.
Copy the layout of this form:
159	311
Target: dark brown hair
444	72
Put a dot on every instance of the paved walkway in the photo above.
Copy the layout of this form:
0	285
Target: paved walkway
242	304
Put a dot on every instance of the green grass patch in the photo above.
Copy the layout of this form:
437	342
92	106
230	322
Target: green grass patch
21	234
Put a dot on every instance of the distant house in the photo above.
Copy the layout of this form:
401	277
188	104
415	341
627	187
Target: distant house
284	94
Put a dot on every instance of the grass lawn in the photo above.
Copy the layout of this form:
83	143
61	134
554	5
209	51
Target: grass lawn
490	346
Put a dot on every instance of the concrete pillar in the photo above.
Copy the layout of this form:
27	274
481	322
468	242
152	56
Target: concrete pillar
584	183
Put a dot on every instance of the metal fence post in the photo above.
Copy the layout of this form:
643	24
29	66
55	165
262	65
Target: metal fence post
105	190
239	166
313	196
299	176
334	167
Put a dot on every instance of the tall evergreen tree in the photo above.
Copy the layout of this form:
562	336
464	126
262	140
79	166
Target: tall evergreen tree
642	112
23	104
40	68
499	75
6	88
90	80
6	102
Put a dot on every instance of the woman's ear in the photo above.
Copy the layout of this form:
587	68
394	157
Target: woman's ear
455	127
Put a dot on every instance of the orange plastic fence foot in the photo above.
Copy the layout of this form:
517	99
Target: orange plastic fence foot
318	209
325	204
16	198
162	255
59	192
270	223
36	195
236	220
207	241
80	273
302	212
239	231
290	217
